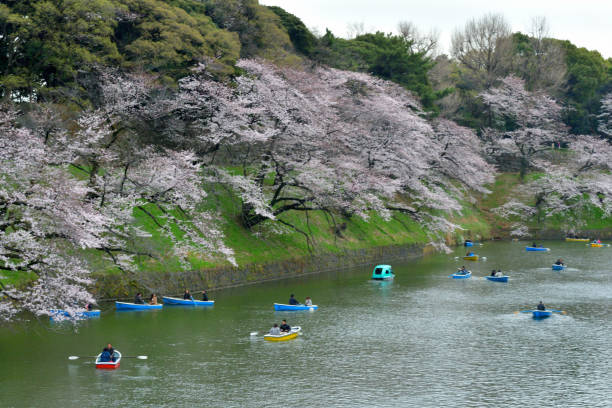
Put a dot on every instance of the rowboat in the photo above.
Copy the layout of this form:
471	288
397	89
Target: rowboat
556	267
187	302
109	365
471	257
280	306
497	278
468	243
295	331
541	314
382	272
596	245
459	275
577	240
536	249
136	306
59	314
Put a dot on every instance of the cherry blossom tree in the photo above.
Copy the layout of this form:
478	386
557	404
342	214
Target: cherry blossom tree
526	123
605	117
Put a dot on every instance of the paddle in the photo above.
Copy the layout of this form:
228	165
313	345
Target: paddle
558	311
77	357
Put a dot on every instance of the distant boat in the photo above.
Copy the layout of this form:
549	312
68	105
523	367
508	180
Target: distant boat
59	314
461	275
136	306
472	257
295	331
283	307
541	314
497	278
468	243
577	239
536	249
383	272
187	302
556	267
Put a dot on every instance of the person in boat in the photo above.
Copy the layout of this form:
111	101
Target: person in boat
308	301
204	296
493	273
293	300
541	306
499	273
108	354
153	299
284	327
89	307
462	270
559	262
469	253
534	245
275	330
138	299
187	295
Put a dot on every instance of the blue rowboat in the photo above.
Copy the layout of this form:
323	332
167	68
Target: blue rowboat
282	307
135	306
556	267
187	302
58	314
497	278
458	275
536	249
541	314
468	243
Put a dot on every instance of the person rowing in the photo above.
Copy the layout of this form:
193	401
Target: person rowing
284	327
275	330
559	262
462	270
138	299
204	296
107	354
187	295
541	306
493	273
293	300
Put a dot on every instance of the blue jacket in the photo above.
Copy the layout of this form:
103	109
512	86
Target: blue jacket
293	301
106	356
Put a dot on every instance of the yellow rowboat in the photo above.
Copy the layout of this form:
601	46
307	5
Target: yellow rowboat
593	245
471	258
295	331
577	240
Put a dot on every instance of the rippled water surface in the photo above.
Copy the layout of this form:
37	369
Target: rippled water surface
421	340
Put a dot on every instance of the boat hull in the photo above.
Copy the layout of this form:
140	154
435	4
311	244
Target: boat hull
461	275
558	267
295	331
577	240
541	314
497	278
471	258
184	302
388	277
536	249
282	307
135	306
597	245
109	365
468	244
58	314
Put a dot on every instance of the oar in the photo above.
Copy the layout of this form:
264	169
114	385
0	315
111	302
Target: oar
77	357
523	311
254	333
558	311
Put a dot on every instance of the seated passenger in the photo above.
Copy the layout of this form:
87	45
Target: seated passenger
499	273
275	330
308	301
559	262
541	306
153	299
284	327
493	273
107	354
187	295
204	296
138	299
293	301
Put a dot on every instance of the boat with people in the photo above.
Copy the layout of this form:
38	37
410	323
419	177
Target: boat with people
541	314
468	243
168	300
471	257
284	336
557	267
109	365
283	307
382	272
568	239
536	249
136	306
461	275
497	278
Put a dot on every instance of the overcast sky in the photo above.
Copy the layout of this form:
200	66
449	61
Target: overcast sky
586	23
